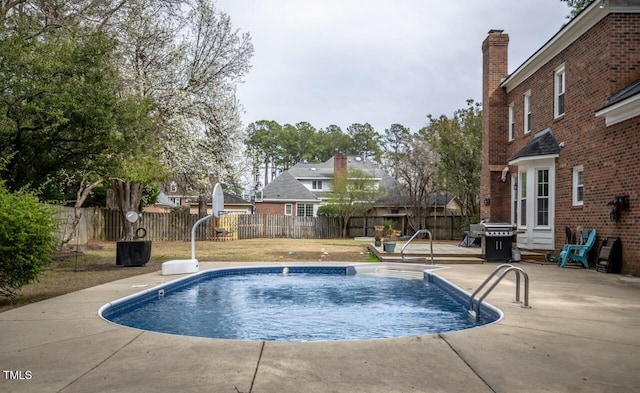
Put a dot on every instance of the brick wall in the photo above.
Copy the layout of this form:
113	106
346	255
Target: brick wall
495	118
271	208
597	65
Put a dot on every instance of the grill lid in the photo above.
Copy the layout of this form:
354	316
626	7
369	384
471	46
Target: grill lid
497	229
497	226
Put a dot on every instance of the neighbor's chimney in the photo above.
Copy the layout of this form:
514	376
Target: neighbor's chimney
494	199
339	164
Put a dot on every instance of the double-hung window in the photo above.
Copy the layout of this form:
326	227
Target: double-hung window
527	112
317	185
578	186
512	117
542	197
522	187
559	91
288	209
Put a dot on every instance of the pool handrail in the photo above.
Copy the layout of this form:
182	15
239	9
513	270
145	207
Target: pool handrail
508	268
404	259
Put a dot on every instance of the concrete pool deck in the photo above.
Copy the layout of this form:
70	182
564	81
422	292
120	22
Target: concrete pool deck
582	334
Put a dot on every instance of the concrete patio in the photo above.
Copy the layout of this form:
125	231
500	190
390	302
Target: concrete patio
582	334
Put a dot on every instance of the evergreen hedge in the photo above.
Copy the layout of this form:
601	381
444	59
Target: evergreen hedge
26	239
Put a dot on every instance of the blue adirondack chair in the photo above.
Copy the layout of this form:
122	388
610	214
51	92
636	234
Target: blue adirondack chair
577	252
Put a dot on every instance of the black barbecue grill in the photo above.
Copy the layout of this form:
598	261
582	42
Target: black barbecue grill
496	241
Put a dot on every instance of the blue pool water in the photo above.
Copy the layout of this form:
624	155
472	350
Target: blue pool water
301	306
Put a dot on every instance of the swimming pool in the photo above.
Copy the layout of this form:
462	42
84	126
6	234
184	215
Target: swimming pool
306	303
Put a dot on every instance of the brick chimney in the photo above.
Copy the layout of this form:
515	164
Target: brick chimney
495	200
339	164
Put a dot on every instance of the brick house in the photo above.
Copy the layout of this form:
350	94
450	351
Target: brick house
303	188
561	133
176	194
286	195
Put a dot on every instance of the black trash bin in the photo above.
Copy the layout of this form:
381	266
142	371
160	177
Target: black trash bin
133	253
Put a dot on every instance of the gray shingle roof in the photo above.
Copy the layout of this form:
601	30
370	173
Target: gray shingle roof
324	170
285	187
233	199
544	143
626	92
440	199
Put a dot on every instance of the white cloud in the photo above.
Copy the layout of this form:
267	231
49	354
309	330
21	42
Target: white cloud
377	61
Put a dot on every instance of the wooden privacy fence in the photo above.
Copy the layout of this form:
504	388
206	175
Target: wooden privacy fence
441	227
159	226
107	225
251	226
177	227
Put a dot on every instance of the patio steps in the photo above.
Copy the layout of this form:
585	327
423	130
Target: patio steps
443	253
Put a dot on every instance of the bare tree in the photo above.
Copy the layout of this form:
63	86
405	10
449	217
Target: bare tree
416	171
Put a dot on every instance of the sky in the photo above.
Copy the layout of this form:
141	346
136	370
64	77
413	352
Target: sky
377	61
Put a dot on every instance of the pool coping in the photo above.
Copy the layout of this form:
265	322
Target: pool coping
581	334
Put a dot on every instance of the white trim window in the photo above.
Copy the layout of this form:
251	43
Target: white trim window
514	198
288	209
527	112
542	197
512	116
304	209
559	89
578	186
316	185
522	187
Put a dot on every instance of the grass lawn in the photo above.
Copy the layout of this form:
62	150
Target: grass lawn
96	264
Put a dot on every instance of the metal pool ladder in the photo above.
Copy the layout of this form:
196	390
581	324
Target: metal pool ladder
405	259
506	268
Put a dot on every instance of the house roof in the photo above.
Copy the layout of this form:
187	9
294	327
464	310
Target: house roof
621	106
440	199
566	35
285	187
234	200
544	143
324	170
306	170
397	198
163	200
626	92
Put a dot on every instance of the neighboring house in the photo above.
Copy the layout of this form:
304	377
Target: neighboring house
179	194
303	188
439	204
163	204
286	195
318	177
232	204
561	132
174	195
442	204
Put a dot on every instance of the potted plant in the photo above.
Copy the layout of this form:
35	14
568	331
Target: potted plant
378	239
390	237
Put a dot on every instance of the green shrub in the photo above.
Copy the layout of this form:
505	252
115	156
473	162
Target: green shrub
26	239
330	210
